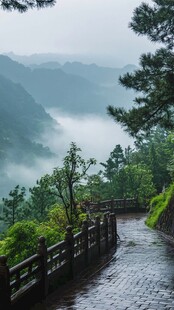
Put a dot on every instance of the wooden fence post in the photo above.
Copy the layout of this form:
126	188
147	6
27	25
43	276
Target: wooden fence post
97	227
42	251
136	204
85	232
112	204
112	227
5	298
114	223
105	223
125	205
69	238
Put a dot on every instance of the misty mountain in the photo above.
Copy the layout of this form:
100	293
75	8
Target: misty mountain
96	74
40	58
100	75
46	65
36	59
25	91
74	88
22	121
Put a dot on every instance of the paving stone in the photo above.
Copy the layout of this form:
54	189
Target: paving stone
139	276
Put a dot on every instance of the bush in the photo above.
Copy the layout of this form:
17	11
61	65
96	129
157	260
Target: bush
57	218
157	206
21	240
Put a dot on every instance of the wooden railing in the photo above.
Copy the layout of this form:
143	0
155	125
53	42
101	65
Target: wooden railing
30	281
116	206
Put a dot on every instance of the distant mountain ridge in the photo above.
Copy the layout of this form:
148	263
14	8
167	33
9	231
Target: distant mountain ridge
73	88
39	58
101	75
97	74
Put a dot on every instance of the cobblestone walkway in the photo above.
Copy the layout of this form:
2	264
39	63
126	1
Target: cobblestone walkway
140	275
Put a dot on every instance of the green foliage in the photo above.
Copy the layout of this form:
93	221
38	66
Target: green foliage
52	234
12	207
156	152
24	5
139	183
21	240
158	205
154	81
41	199
128	177
114	163
64	181
93	190
156	22
57	218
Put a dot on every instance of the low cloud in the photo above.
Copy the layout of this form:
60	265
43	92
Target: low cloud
95	135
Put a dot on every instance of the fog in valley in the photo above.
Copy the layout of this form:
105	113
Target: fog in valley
95	135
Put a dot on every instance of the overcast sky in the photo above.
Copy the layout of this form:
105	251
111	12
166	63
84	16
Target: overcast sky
98	28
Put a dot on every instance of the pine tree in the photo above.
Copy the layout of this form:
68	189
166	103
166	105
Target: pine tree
24	5
13	205
154	80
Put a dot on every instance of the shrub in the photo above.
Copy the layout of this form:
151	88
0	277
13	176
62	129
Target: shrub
157	206
21	240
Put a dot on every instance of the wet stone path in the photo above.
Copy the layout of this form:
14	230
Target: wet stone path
140	275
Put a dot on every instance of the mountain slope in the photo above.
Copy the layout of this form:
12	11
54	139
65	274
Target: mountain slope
69	92
21	123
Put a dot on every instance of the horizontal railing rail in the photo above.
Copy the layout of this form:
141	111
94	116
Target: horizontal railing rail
56	256
114	206
24	273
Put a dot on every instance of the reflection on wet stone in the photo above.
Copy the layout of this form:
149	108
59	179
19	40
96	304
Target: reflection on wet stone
140	275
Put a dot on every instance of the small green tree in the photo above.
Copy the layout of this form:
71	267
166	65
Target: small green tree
12	206
64	180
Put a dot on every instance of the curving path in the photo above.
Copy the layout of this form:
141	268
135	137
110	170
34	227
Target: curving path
140	275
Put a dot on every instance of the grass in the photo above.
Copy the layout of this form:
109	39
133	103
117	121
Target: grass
158	205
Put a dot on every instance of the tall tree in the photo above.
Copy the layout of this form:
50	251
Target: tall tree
12	205
41	199
24	5
114	163
156	151
139	183
154	80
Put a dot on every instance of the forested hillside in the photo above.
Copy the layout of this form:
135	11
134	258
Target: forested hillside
22	121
